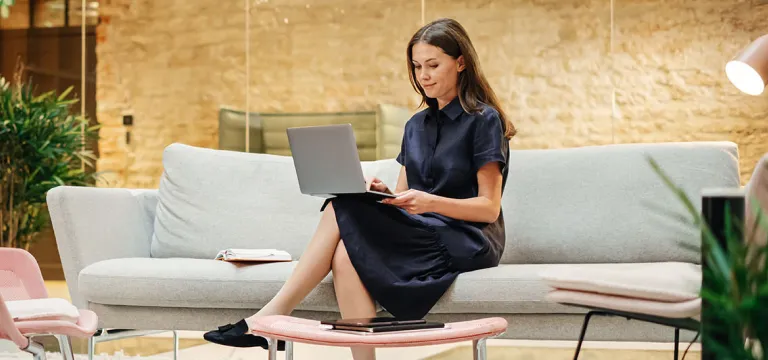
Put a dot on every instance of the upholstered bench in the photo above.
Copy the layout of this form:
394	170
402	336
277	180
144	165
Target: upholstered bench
292	329
662	293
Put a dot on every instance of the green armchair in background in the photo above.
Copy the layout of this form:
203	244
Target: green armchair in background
378	132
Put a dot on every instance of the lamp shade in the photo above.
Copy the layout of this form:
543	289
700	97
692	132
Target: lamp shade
748	71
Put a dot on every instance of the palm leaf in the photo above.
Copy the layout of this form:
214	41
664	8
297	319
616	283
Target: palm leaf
65	93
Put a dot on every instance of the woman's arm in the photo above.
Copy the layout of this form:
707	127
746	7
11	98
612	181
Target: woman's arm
483	208
402	181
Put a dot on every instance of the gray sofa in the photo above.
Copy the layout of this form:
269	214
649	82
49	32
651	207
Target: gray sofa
142	259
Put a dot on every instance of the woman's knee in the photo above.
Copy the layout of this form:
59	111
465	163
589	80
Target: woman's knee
341	262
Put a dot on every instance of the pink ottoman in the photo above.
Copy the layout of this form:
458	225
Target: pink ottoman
291	329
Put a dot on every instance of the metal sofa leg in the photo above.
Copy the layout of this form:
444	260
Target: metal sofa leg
175	345
583	332
479	350
65	345
105	335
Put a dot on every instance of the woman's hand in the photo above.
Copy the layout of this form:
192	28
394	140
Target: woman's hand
373	183
413	201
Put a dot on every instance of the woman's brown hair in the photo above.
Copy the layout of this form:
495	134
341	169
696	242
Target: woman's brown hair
450	36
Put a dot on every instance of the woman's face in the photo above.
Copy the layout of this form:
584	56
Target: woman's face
436	71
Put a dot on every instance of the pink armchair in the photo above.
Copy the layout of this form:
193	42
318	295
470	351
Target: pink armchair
20	279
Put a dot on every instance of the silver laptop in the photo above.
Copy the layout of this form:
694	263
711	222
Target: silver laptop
327	163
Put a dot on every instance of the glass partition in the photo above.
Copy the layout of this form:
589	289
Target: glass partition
548	62
670	75
568	74
165	70
43	44
75	12
49	13
315	63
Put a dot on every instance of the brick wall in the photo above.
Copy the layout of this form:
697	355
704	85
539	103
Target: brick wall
564	77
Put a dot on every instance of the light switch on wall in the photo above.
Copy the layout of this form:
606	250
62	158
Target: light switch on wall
128	123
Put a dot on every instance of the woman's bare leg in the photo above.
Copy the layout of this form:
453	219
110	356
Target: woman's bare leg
313	266
354	299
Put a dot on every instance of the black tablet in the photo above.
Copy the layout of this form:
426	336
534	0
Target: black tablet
371	322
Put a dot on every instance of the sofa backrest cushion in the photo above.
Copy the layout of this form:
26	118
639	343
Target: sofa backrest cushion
211	200
605	204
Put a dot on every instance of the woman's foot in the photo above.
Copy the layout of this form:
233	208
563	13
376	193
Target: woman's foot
237	335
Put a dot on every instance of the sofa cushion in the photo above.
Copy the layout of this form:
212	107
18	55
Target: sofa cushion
193	283
196	283
505	289
663	282
605	204
209	200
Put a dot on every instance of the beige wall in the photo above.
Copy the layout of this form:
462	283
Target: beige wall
556	65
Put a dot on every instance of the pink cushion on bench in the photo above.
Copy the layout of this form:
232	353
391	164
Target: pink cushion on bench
43	309
677	310
84	327
669	281
311	332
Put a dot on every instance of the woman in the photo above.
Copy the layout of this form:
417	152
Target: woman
405	252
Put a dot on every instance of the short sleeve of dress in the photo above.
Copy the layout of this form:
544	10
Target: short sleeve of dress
489	143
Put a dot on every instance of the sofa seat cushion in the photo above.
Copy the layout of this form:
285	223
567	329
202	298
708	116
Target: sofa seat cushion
194	283
505	289
665	282
198	283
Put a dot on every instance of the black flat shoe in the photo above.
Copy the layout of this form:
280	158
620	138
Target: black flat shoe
237	336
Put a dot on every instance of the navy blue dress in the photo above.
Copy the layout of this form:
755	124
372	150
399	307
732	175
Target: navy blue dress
405	261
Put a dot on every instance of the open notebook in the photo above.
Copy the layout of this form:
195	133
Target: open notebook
253	255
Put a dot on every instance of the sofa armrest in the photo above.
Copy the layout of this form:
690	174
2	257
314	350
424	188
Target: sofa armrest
95	224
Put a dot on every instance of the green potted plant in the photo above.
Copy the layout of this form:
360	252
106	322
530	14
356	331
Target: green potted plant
40	148
735	281
4	5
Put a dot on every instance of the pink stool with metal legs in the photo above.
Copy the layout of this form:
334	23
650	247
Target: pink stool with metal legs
20	280
291	329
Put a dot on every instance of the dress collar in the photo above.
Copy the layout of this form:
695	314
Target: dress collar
453	109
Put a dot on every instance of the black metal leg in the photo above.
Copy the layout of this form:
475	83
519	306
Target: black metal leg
583	332
677	340
677	324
